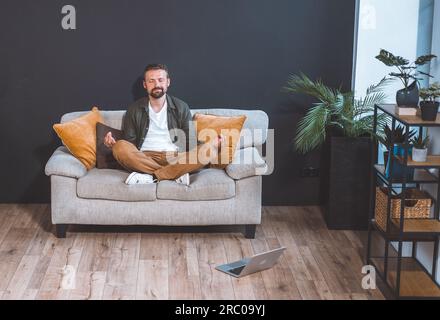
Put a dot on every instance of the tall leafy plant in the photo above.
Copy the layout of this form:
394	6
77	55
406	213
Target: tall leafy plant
407	71
334	109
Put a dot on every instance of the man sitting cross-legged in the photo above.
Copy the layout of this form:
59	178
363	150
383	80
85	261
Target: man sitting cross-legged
147	148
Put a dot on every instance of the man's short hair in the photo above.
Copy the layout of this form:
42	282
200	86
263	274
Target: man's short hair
156	66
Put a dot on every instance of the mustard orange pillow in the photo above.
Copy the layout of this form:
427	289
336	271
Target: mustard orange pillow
79	136
229	127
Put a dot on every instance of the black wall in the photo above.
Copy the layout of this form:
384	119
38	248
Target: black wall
221	53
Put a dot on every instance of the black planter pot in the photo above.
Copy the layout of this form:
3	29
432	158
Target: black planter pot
429	110
345	185
408	96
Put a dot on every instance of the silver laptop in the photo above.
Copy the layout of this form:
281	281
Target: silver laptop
259	262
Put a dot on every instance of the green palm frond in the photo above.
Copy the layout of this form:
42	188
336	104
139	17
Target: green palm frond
311	131
303	84
354	117
379	86
367	104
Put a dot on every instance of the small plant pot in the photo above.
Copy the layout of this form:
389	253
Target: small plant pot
429	110
420	155
398	151
385	158
398	169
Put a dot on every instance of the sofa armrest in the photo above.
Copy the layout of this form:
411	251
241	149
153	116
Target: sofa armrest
63	163
247	162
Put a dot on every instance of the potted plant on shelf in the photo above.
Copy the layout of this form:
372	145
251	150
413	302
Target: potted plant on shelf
394	139
420	148
407	72
429	105
398	137
342	125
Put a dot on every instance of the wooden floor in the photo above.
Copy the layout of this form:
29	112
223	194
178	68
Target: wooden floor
318	263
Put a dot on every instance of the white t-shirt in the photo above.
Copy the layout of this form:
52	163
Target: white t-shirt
158	137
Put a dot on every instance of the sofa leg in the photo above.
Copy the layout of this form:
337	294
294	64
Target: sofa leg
249	231
60	230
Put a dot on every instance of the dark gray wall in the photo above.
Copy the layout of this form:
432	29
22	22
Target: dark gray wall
221	53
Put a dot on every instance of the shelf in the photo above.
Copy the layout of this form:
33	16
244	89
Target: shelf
419	225
412	121
413	230
420	176
432	162
415	282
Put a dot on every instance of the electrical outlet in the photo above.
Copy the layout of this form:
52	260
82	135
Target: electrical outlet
314	172
309	172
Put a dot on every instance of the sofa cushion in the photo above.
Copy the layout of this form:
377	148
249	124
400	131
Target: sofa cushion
247	163
79	136
254	132
206	184
110	185
104	155
230	127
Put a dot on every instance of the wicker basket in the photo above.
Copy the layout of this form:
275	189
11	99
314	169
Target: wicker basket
417	205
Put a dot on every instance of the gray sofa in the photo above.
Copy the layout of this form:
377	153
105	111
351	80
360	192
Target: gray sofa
215	197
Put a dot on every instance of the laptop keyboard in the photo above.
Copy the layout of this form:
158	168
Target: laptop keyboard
237	271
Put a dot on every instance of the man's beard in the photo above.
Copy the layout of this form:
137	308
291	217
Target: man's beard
157	93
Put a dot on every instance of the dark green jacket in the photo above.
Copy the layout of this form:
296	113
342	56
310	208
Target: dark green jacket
136	122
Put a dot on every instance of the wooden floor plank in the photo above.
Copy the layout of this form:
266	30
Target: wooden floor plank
46	253
258	286
304	270
93	265
152	281
123	269
278	281
42	235
236	249
215	285
29	294
317	264
184	275
96	251
89	285
31	215
8	214
62	266
292	253
22	276
154	246
12	250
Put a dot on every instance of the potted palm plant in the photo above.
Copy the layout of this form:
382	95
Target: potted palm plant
407	72
420	148
342	125
335	112
429	106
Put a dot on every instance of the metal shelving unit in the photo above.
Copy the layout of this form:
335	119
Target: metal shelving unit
406	277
